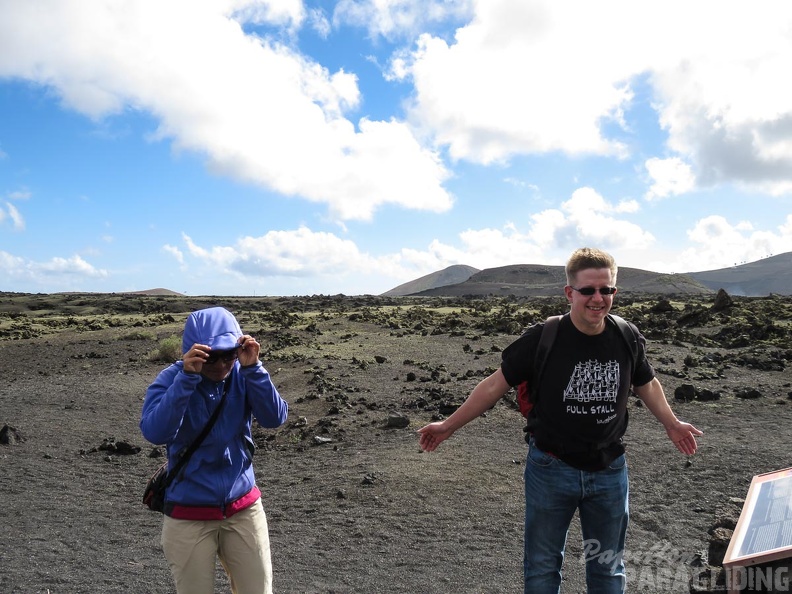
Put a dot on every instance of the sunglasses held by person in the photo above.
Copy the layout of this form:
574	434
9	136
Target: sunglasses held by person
226	356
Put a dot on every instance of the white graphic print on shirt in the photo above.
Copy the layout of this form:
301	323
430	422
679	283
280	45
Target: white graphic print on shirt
592	390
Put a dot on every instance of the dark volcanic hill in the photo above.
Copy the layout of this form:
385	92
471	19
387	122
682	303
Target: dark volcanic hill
156	292
756	279
448	276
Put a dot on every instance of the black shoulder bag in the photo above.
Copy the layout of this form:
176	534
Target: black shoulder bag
154	493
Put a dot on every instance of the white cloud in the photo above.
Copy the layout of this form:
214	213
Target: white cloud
254	107
585	219
785	229
11	266
522	184
726	105
319	22
717	243
300	252
175	252
670	177
588	221
395	18
526	77
542	76
74	266
67	272
284	13
15	216
303	253
19	195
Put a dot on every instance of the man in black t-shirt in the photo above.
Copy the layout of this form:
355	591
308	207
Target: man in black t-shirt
575	458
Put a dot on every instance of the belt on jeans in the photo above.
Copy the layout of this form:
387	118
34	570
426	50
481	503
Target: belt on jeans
212	512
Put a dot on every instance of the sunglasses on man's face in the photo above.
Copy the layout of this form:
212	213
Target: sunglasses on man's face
224	356
589	291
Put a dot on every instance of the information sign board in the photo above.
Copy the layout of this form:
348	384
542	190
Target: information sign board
763	534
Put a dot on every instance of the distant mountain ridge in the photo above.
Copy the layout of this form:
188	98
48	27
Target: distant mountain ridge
158	292
452	275
772	275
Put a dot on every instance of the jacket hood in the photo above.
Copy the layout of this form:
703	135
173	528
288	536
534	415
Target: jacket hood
215	327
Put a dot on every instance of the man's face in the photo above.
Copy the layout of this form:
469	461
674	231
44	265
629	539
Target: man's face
588	311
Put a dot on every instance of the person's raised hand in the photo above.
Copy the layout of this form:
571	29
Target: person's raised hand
195	358
249	351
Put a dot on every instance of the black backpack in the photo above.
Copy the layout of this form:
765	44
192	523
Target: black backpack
549	331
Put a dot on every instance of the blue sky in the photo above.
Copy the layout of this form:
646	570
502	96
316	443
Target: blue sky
288	147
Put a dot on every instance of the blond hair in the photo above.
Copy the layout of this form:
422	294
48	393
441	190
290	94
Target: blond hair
586	258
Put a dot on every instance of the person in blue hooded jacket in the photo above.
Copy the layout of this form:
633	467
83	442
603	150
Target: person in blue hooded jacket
213	508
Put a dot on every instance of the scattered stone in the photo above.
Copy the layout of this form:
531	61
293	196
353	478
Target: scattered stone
397	420
690	361
685	392
688	392
706	395
10	435
748	394
118	447
319	440
718	543
722	301
696	316
662	306
447	408
380	359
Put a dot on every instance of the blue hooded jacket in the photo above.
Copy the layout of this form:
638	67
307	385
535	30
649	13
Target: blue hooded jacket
178	406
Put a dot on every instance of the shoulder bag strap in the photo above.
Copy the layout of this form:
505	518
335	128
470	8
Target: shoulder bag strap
184	458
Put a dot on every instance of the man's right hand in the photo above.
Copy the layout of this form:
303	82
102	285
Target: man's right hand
432	435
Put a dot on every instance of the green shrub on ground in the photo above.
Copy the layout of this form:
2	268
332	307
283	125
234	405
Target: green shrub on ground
169	350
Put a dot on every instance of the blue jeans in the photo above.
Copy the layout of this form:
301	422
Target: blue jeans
553	491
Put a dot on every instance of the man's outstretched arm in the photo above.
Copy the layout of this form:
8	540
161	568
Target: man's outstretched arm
682	434
481	399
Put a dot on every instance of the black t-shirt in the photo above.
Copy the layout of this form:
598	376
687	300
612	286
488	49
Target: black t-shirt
580	412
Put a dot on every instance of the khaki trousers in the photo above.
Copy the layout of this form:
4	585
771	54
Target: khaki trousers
241	542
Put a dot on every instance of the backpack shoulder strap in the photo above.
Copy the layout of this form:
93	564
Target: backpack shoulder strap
550	330
628	333
546	341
